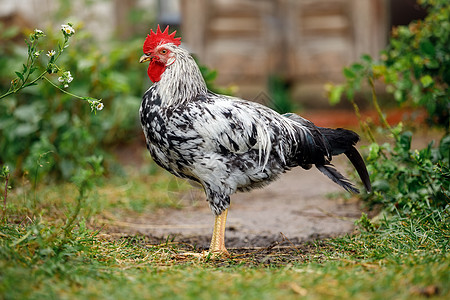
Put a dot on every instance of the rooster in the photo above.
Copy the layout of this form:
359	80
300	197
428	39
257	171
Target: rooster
227	144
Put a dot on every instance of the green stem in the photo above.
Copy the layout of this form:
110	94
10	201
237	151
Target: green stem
14	91
65	92
36	79
362	124
69	225
378	109
5	196
30	60
70	222
380	113
7	94
30	63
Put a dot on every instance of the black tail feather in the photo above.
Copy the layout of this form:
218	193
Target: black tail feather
343	141
337	177
327	142
339	139
358	162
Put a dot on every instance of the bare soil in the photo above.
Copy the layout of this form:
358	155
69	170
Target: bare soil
294	209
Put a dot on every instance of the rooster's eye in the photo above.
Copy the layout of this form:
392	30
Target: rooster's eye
163	51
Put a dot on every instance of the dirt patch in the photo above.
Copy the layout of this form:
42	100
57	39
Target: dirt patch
278	253
296	208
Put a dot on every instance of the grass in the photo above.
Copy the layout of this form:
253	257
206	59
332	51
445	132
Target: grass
92	267
130	192
395	258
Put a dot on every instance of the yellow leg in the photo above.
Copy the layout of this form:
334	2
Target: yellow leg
217	247
218	238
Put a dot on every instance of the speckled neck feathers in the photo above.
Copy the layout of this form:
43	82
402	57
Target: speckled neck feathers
181	81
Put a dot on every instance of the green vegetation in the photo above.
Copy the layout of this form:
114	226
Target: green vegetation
44	123
60	186
415	67
397	260
396	257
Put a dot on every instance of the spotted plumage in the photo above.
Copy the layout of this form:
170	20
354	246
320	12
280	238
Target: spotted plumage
224	143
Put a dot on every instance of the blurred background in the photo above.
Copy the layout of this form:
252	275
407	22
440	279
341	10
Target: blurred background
278	52
303	43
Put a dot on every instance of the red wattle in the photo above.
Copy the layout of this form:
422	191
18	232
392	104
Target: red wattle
155	70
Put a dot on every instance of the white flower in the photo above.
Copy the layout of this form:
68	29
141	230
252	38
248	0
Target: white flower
51	53
65	78
95	104
67	29
38	32
36	54
69	77
99	106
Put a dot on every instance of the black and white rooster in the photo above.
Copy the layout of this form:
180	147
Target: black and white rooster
228	144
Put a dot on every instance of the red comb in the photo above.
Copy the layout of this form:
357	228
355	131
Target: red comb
155	39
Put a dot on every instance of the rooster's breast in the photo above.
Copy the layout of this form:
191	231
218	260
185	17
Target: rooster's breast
171	139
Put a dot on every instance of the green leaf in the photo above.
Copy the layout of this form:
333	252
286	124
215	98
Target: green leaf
357	68
405	140
427	48
398	95
20	76
444	147
426	81
335	94
374	149
396	130
367	58
349	73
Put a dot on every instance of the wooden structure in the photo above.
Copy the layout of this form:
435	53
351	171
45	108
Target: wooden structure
306	42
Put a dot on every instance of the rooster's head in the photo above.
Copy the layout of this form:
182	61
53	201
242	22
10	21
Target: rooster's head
158	49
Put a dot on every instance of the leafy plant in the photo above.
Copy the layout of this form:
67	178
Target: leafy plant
404	180
84	179
407	180
52	248
41	119
23	79
415	67
365	223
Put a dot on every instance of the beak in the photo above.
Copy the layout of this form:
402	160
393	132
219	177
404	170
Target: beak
145	58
